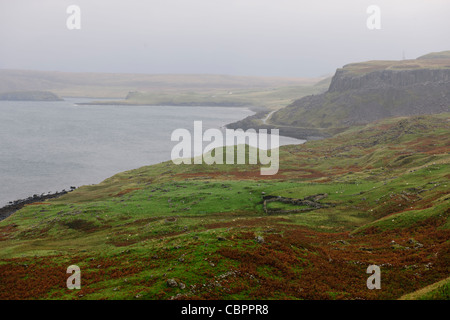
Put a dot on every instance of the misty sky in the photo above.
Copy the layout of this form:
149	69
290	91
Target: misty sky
238	37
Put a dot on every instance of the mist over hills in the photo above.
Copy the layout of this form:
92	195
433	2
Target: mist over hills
118	85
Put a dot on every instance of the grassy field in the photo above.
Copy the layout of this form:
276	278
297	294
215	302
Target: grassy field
203	226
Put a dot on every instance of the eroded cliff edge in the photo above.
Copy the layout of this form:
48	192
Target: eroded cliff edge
364	92
361	93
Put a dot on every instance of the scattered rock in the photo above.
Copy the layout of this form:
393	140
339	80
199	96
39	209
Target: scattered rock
172	283
415	243
259	239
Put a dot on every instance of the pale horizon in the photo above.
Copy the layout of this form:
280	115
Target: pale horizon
287	38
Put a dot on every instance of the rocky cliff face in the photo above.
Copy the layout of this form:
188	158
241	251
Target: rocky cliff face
364	92
383	79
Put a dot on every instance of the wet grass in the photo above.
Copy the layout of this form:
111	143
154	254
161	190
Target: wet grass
205	226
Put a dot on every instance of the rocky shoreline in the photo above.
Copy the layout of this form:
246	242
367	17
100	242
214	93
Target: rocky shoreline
16	205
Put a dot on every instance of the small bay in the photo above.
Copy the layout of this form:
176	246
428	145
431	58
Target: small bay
50	146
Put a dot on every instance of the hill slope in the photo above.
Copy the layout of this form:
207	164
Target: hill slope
376	194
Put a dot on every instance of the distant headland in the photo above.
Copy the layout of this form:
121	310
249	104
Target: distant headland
29	96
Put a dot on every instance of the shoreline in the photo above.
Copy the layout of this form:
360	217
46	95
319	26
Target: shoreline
123	103
258	121
16	205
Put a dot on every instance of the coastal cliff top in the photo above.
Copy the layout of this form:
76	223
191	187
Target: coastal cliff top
438	60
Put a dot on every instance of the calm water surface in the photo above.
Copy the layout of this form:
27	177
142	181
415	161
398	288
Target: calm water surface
50	146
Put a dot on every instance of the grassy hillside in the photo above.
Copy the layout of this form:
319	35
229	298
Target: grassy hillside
437	291
378	194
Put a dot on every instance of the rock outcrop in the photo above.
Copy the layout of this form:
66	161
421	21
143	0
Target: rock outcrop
384	79
360	93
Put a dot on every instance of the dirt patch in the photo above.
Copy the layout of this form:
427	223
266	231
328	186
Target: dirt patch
256	174
126	191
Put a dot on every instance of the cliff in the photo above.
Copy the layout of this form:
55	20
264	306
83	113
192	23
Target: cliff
360	93
344	80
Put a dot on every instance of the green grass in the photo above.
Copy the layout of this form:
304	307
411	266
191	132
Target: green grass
195	223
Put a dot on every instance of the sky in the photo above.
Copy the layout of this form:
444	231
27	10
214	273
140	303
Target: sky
289	38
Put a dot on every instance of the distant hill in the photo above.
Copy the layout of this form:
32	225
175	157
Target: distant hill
118	85
29	96
257	99
436	55
360	93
